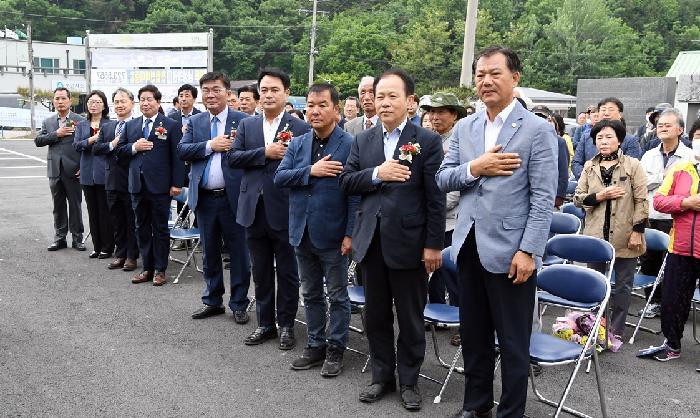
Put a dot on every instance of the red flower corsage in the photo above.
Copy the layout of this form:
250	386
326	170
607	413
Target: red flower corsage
161	132
284	136
407	151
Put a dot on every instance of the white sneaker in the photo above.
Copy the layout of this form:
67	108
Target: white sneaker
653	311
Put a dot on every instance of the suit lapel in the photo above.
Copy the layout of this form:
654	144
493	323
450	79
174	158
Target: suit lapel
156	122
284	123
305	149
334	140
510	126
477	137
376	146
407	135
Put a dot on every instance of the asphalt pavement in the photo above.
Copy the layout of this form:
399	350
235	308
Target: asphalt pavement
78	340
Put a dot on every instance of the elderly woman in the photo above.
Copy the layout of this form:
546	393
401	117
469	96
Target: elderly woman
613	191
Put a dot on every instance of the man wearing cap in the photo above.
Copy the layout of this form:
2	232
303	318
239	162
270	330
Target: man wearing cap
651	140
444	110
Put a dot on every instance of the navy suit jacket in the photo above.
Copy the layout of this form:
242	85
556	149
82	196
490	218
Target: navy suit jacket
161	168
412	212
177	115
317	203
248	153
193	146
116	169
92	168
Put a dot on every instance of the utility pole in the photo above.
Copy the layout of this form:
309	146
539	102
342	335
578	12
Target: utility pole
32	124
312	51
466	76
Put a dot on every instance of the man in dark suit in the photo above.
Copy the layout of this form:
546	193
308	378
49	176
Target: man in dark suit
155	175
214	197
63	168
264	209
398	234
117	183
503	161
248	98
321	219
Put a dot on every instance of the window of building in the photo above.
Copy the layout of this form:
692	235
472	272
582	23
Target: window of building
78	66
46	65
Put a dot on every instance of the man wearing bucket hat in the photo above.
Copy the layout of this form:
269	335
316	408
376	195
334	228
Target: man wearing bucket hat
444	110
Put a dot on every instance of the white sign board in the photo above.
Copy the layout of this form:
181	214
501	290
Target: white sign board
119	58
167	81
19	118
150	40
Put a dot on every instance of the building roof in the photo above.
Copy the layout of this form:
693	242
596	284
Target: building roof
687	62
538	95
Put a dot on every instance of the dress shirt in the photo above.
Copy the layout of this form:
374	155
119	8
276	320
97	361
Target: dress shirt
270	129
116	129
391	139
318	145
491	132
216	174
374	119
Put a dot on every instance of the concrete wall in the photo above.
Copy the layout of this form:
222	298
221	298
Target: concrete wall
636	94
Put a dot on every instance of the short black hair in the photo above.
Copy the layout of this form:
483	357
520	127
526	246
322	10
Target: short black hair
617	126
298	113
559	124
249	89
188	87
352	98
276	73
693	128
613	100
176	100
213	76
289	104
319	88
650	109
103	97
512	59
62	89
153	89
408	83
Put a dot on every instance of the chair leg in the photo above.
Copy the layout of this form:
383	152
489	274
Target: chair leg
184	265
695	323
658	280
601	395
438	398
442	362
550	402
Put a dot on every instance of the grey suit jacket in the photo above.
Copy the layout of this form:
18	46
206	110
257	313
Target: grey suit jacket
510	213
61	151
354	127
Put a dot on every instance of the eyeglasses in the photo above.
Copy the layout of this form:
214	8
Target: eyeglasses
95	102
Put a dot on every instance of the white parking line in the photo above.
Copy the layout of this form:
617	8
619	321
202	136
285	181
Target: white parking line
31	157
23	177
26	166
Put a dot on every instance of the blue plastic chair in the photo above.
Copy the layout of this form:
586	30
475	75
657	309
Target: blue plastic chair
581	286
444	315
562	223
571	187
572	209
656	241
186	235
695	308
356	294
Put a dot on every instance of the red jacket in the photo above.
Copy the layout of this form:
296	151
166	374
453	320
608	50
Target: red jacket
681	182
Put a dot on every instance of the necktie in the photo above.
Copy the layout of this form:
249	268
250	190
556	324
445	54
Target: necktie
214	132
120	128
368	124
147	128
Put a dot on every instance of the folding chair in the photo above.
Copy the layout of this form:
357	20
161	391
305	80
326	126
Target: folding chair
695	308
185	234
440	314
581	286
656	241
356	294
572	209
562	223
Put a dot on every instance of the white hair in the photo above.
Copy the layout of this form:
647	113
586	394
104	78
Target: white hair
363	80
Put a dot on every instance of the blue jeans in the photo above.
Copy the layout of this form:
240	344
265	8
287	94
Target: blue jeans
315	264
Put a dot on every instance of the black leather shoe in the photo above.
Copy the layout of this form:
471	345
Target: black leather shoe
60	244
260	335
310	357
94	254
287	340
410	397
241	317
376	391
102	255
206	311
472	414
79	246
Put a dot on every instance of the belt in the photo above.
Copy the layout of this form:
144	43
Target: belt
213	192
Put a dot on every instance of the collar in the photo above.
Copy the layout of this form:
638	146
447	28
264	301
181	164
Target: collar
221	115
126	119
58	115
447	134
673	151
599	157
152	118
277	118
374	119
400	128
504	113
317	138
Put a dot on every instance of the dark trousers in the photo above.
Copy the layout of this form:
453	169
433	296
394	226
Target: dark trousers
217	221
680	276
122	214
439	283
101	230
152	235
66	188
651	260
489	302
270	249
408	291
